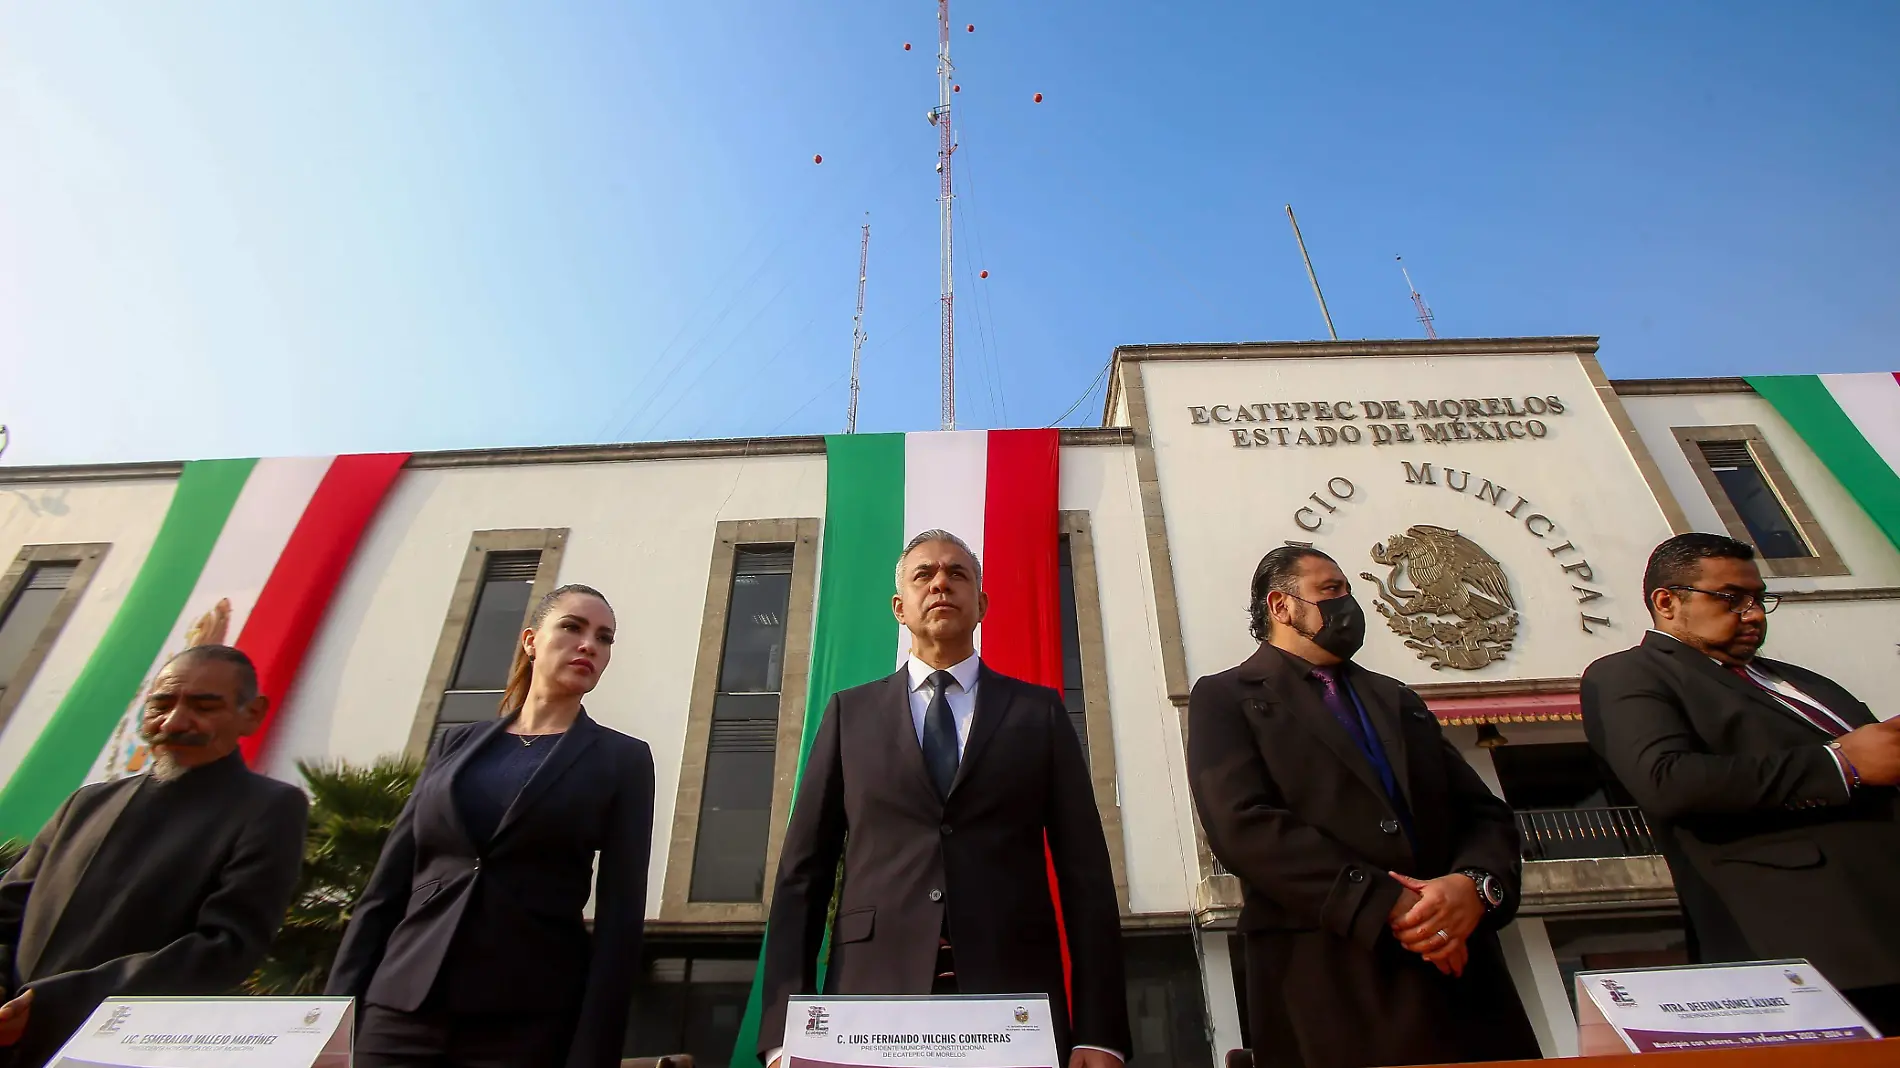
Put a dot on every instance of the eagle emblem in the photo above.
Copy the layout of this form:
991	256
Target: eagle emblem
1453	577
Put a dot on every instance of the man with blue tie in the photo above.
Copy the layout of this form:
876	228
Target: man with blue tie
1377	866
937	787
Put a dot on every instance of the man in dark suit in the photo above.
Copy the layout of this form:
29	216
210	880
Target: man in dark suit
169	883
938	786
1377	865
1770	789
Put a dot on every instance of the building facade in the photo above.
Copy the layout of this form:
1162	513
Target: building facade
1513	460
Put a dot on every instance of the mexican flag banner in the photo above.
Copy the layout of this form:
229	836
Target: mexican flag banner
994	489
248	554
1852	422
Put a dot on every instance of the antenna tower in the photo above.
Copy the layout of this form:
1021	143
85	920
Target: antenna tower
1424	309
940	117
857	327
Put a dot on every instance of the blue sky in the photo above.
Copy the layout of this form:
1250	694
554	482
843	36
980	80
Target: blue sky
266	228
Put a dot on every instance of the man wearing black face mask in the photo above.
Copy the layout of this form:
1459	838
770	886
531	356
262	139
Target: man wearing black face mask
1377	866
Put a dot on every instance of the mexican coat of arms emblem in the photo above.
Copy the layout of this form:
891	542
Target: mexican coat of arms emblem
1460	613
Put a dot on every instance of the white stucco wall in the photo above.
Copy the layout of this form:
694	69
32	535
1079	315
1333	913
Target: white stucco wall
124	514
1869	556
1228	505
641	532
1157	812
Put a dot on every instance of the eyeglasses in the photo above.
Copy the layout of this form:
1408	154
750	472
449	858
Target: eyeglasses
1738	603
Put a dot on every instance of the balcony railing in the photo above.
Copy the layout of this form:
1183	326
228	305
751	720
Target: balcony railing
1581	833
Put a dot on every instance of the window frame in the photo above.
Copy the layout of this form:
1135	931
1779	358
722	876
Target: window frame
551	542
1075	525
86	558
728	537
1826	561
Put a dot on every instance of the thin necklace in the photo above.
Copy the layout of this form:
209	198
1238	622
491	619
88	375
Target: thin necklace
529	739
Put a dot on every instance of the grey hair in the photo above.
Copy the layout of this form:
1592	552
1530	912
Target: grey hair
225	654
936	535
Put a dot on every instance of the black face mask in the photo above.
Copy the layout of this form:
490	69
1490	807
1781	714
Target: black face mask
1342	628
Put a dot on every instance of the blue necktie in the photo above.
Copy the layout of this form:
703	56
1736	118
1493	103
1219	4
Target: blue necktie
940	734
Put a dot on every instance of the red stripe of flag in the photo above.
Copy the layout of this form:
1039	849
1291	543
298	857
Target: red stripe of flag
295	597
1022	634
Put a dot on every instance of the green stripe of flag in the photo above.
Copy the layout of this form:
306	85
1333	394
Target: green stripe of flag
852	637
66	749
1804	401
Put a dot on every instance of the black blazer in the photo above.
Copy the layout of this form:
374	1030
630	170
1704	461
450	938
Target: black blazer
913	859
1771	855
1295	810
183	905
500	929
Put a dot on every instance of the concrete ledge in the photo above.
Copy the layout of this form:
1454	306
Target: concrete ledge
1599	883
1217	902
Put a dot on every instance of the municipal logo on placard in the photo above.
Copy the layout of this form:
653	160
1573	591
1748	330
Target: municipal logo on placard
312	1017
817	1020
1795	977
116	1020
1619	994
1022	1014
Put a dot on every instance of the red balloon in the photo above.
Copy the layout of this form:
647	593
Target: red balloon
982	274
906	46
1038	98
956	88
971	28
818	159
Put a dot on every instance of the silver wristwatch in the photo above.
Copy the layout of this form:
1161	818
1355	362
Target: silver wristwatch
1490	890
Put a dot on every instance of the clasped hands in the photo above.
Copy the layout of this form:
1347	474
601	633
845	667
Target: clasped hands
1433	917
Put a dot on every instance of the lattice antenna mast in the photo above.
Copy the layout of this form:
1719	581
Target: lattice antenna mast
940	116
1424	309
857	327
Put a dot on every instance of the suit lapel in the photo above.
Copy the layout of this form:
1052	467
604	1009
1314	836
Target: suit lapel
1280	680
1701	662
567	749
904	743
1382	708
992	702
88	838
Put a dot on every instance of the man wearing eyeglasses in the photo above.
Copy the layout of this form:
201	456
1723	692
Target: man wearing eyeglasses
1769	787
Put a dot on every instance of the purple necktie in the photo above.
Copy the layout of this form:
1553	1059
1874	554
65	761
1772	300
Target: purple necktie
1340	705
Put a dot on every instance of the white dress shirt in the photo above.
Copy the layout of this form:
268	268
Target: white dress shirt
962	696
1792	698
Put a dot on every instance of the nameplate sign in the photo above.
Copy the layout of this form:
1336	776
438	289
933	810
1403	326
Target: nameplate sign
313	1032
963	1031
1715	1006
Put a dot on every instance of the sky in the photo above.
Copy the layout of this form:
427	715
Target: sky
241	228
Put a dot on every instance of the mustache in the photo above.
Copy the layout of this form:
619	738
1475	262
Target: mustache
180	738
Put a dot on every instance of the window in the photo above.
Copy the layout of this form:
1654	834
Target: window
1085	678
1769	525
488	647
743	723
503	573
1073	697
37	595
736	804
25	617
1756	501
689	997
1166	1013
